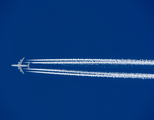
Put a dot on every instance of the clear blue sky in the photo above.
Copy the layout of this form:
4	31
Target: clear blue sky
75	29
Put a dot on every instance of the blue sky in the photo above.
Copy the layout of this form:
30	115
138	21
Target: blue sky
75	29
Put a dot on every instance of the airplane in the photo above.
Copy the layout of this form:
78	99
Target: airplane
19	65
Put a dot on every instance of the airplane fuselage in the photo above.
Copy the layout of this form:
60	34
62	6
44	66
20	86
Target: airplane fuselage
16	65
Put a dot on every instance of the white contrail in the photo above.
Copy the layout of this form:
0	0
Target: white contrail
92	74
93	61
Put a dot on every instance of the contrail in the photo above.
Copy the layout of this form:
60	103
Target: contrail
93	61
92	74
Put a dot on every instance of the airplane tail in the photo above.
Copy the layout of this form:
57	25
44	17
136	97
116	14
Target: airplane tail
28	64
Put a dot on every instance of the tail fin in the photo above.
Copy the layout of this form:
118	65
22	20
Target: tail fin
28	64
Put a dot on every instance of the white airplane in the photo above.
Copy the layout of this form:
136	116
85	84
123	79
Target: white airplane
19	65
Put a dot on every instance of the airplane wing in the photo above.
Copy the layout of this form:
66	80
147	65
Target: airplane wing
21	69
21	60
